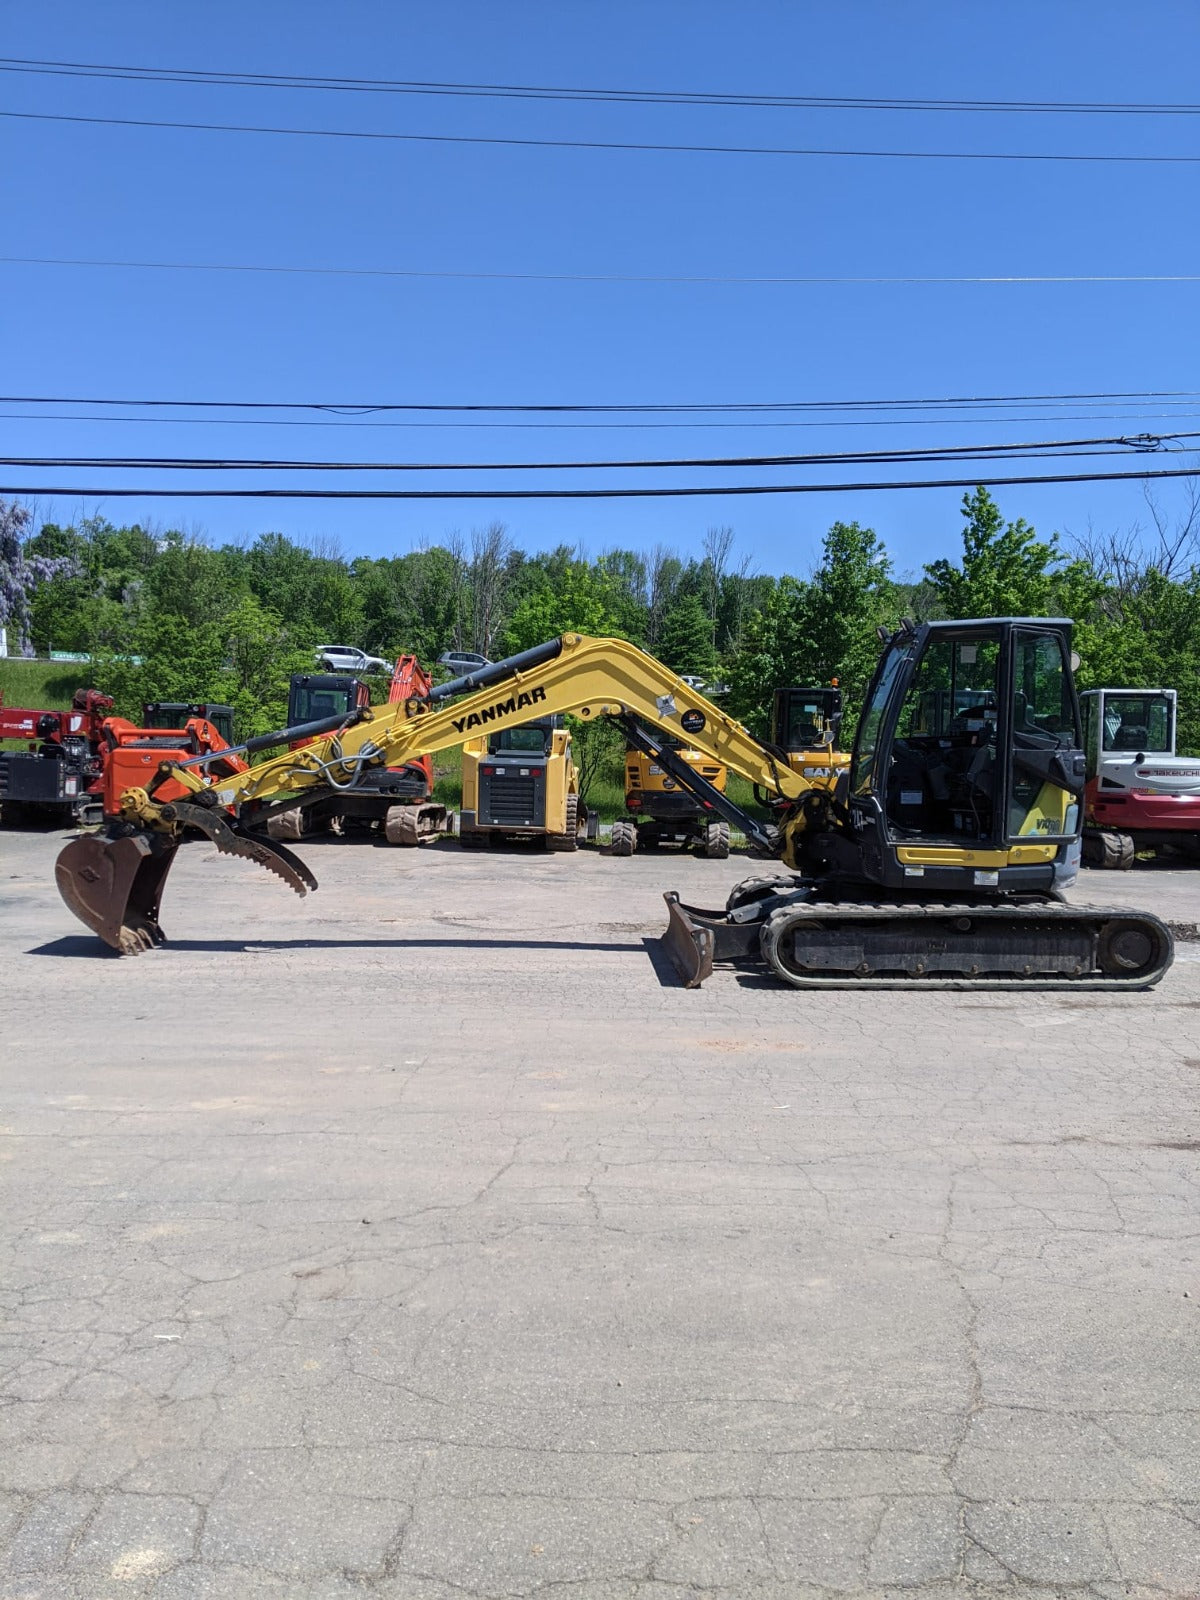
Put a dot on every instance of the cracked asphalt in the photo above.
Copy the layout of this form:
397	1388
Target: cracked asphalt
422	1240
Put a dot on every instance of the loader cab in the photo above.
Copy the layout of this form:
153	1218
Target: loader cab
806	719
177	713
531	739
968	766
313	696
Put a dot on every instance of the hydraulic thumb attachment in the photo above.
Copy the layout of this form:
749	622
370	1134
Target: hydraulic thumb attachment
113	881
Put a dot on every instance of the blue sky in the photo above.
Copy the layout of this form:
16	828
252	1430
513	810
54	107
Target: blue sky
144	194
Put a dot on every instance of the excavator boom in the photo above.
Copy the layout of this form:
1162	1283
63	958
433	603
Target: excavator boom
590	677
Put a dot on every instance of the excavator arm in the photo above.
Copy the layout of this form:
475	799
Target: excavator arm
589	677
113	882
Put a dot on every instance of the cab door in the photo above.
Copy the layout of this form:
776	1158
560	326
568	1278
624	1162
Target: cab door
1046	767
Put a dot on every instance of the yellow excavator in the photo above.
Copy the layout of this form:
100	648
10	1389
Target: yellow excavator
660	810
939	860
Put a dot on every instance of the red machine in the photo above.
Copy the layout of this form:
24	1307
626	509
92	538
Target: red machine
1140	794
396	801
60	771
132	756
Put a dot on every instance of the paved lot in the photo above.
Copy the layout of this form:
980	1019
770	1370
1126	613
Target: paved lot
421	1240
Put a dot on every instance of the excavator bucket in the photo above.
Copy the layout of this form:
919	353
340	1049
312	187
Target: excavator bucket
114	885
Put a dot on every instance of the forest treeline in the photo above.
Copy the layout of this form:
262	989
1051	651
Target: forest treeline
167	615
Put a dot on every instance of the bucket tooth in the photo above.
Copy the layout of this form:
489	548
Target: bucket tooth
114	887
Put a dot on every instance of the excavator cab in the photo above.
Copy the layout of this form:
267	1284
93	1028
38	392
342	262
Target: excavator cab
968	768
806	724
314	695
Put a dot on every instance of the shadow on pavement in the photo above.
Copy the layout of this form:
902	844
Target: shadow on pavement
664	967
82	945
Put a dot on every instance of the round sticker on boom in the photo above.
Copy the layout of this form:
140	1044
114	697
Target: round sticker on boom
692	721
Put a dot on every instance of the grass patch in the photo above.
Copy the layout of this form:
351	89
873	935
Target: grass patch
41	685
447	778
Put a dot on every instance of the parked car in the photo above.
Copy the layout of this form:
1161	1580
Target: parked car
345	658
692	681
460	662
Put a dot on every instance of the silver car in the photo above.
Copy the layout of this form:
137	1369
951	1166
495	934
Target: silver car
461	662
346	658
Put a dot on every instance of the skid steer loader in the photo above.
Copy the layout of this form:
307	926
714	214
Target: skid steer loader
940	860
521	783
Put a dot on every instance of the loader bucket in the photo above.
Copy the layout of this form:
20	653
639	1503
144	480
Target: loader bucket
114	885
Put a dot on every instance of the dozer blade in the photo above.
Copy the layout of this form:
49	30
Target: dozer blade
689	943
114	885
696	938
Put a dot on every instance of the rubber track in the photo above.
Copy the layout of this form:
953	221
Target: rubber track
844	912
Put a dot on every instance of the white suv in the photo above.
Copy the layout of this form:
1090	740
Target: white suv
345	658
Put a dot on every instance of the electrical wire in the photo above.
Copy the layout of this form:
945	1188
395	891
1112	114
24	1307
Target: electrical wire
608	144
678	97
156	493
358	407
1184	413
1039	449
605	277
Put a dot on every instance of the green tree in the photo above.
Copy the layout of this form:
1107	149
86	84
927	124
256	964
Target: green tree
1005	569
585	599
685	642
850	597
808	633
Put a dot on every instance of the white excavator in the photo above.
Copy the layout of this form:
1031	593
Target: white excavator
938	859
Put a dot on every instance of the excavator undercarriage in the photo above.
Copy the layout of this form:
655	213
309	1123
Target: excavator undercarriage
812	942
940	860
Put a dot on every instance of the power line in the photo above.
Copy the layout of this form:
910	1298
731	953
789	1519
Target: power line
606	144
1184	413
607	277
679	97
157	493
1041	449
357	407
